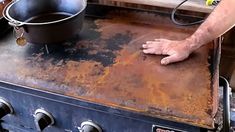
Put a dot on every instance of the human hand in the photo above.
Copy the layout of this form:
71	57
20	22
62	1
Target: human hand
176	50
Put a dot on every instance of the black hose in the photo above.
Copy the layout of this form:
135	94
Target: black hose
226	104
179	23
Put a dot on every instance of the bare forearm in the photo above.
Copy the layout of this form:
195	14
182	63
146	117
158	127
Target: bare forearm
218	22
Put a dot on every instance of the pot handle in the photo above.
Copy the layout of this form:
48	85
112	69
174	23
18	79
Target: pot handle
10	21
15	24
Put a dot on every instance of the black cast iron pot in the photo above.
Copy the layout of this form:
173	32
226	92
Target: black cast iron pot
46	21
3	22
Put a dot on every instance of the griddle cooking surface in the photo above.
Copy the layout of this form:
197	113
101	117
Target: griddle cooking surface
105	65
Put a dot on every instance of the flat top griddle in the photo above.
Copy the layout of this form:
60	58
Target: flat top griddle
105	65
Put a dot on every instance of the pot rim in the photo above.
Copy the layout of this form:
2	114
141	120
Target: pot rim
12	20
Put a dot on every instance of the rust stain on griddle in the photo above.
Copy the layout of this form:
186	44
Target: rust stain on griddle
110	69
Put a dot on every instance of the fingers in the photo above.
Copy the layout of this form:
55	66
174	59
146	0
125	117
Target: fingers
175	49
144	46
172	58
150	44
149	51
161	40
153	47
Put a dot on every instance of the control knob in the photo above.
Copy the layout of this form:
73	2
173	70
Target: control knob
42	119
5	108
89	126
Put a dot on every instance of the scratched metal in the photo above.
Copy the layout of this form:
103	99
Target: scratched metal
105	65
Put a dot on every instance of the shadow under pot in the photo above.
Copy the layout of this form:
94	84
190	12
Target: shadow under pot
45	22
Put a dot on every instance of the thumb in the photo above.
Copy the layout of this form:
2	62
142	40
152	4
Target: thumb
172	58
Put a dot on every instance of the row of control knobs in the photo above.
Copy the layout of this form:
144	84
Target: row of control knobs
44	119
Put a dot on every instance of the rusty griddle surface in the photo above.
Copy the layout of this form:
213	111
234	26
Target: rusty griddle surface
105	65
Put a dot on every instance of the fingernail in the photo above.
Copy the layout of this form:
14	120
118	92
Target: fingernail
143	45
164	62
145	51
148	42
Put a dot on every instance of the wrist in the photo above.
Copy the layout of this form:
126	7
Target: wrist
193	43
